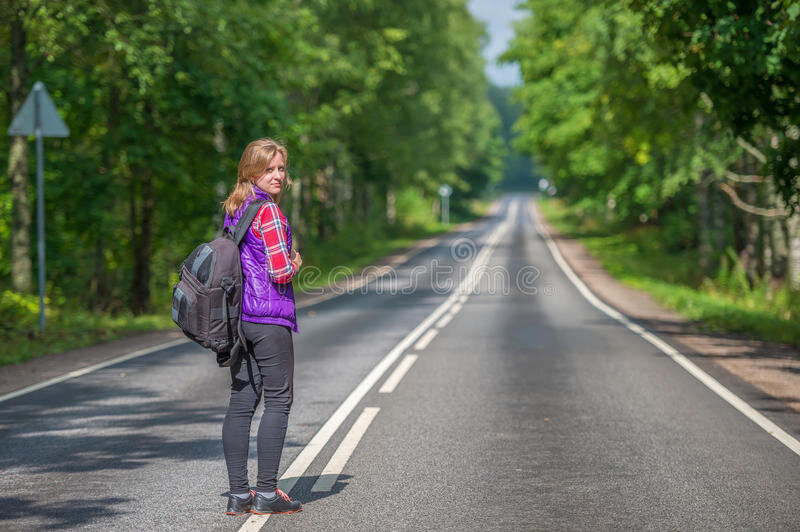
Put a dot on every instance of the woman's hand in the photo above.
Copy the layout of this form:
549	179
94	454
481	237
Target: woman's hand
297	260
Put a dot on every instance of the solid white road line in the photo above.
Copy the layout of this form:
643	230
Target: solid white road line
442	323
93	367
313	447
426	339
339	459
399	372
714	385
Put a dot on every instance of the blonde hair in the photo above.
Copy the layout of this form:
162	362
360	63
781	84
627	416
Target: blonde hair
254	162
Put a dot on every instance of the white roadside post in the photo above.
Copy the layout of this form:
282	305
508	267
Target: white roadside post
39	116
444	192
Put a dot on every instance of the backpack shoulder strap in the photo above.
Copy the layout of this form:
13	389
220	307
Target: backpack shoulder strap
246	220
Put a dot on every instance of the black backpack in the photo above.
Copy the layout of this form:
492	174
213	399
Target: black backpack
207	299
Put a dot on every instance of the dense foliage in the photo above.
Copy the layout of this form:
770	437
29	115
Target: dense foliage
373	98
676	113
519	173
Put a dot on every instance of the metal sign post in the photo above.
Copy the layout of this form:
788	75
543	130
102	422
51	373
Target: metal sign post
39	116
444	192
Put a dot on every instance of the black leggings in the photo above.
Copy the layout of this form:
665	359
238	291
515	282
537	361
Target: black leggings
268	365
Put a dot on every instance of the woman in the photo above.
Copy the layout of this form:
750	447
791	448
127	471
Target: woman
268	316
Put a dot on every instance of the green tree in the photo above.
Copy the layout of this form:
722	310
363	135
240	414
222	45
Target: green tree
371	96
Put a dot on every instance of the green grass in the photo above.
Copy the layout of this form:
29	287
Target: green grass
726	302
331	262
69	327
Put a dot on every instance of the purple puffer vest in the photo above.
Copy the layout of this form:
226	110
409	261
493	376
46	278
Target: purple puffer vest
263	300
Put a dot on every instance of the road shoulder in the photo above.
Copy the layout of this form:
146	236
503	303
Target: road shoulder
773	368
16	376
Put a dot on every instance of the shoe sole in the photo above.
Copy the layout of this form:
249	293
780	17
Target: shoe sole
271	513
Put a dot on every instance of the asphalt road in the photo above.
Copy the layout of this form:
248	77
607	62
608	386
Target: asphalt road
529	409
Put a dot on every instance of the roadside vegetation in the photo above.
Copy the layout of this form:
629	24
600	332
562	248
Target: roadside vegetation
378	102
641	257
669	131
69	326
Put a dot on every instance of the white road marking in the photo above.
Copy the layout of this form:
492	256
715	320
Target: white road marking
426	339
93	367
714	385
456	308
339	459
442	323
399	372
463	299
313	447
255	522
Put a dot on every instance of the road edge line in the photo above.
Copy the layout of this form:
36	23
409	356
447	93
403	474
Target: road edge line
90	369
693	369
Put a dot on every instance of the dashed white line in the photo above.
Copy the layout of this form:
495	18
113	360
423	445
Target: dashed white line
339	459
426	339
399	372
714	385
312	449
456	308
445	320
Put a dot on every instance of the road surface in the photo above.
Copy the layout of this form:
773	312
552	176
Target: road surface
472	387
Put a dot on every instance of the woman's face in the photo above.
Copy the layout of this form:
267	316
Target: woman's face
271	181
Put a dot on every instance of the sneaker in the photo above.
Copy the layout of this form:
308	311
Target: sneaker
281	504
238	505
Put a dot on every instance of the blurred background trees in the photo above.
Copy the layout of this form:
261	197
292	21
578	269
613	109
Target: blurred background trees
379	103
676	116
679	114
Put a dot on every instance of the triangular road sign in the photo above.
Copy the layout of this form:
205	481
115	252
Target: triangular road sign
25	121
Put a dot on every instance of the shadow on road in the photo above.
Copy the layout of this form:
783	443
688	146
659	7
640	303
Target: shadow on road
60	515
302	489
102	428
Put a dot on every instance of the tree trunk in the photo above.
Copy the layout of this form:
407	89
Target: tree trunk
704	228
722	221
142	241
760	267
142	232
98	287
780	254
338	198
99	290
778	251
749	253
792	229
391	209
306	204
294	217
18	160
